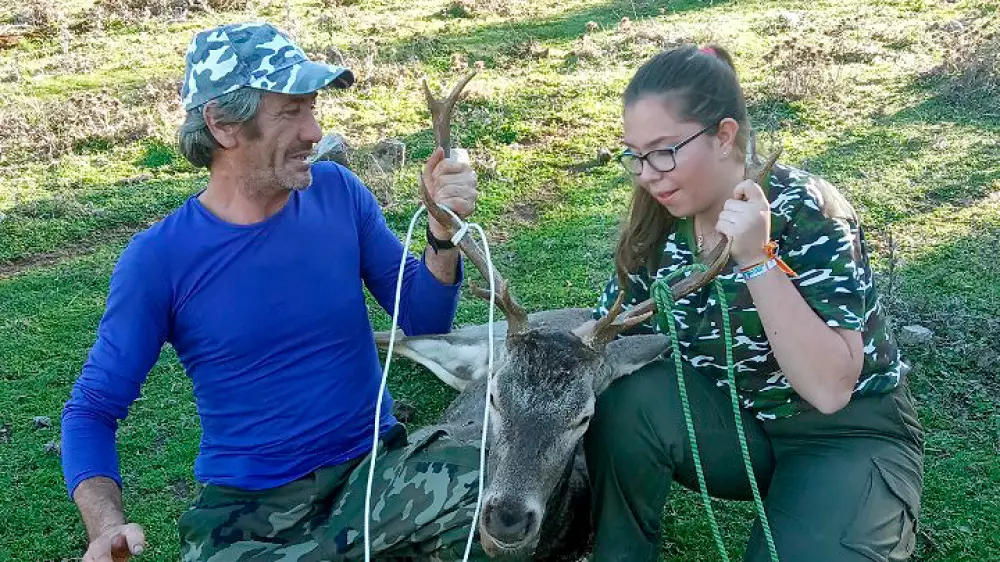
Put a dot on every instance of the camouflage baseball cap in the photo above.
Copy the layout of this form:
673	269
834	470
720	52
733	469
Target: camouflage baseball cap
257	55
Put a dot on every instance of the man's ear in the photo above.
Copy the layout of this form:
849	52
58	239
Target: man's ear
224	133
726	137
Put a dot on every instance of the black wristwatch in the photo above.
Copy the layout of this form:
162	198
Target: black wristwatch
436	243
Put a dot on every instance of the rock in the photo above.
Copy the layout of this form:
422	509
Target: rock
390	154
331	147
5	433
603	156
988	359
135	179
953	26
404	410
53	448
41	422
592	26
916	335
788	20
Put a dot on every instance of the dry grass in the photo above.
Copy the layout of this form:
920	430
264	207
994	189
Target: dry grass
802	69
481	8
971	68
45	17
46	129
131	11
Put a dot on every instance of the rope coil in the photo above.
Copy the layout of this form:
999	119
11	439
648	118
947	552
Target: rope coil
665	307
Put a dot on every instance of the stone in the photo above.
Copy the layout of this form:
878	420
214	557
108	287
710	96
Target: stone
331	147
53	448
390	154
953	26
41	422
916	335
404	410
789	20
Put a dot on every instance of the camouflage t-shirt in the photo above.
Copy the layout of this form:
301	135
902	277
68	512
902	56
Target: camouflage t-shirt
820	239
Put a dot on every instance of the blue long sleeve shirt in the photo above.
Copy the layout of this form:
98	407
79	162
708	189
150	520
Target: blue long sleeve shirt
269	321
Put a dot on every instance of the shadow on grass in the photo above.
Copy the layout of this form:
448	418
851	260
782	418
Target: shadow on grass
45	226
498	41
903	164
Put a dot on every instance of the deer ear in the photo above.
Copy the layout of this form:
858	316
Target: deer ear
627	355
457	358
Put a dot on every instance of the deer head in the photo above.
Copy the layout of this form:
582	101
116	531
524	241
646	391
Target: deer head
550	371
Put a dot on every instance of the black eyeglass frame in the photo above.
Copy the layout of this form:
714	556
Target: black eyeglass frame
642	159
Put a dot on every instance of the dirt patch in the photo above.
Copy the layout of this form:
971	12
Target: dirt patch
67	252
181	489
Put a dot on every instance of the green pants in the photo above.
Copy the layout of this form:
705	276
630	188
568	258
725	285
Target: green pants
423	499
843	487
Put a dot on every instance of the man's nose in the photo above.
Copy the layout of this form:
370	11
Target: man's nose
312	132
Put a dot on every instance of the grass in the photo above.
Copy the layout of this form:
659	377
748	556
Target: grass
879	97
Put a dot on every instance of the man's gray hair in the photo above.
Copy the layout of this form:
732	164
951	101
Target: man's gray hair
196	140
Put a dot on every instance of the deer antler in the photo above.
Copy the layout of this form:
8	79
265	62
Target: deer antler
441	111
615	323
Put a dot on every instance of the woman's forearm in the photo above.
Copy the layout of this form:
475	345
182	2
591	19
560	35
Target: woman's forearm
821	363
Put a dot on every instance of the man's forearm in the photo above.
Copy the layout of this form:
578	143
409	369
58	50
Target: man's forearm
443	264
100	503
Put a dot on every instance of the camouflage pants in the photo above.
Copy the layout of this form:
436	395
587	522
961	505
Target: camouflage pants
423	499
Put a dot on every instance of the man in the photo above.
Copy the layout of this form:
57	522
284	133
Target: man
257	282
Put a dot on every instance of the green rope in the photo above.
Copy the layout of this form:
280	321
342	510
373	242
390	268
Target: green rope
665	308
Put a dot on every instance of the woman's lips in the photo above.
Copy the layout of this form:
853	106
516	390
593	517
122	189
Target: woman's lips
665	196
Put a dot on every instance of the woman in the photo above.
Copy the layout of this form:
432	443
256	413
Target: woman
832	433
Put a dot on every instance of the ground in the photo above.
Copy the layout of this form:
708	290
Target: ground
894	101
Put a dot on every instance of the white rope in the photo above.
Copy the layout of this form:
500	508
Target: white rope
388	361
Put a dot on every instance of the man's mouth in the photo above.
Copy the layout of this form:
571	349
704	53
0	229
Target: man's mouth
301	158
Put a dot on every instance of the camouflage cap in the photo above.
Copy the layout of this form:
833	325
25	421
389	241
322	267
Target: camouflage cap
257	55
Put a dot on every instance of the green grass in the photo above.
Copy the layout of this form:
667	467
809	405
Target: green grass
916	163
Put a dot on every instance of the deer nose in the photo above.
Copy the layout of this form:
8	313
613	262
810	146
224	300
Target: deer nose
508	522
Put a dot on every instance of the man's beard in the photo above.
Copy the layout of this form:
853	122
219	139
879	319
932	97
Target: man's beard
268	182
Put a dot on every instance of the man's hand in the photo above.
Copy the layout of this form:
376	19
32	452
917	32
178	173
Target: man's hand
117	544
452	184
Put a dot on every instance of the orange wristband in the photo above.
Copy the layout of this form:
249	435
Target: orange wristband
771	249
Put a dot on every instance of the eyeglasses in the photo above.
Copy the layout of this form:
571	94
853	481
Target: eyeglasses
662	160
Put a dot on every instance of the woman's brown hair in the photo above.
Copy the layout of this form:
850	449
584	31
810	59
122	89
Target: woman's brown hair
701	86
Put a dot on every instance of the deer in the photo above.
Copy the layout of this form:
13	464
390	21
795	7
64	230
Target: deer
551	366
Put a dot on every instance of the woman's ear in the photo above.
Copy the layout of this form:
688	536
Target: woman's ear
726	137
224	133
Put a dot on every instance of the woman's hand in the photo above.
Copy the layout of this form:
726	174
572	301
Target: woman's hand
746	220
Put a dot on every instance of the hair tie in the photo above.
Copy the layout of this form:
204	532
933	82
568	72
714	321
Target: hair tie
708	51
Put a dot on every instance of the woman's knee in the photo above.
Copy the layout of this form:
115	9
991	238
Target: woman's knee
634	416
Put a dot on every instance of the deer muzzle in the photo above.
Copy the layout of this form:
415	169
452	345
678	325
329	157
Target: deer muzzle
509	525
